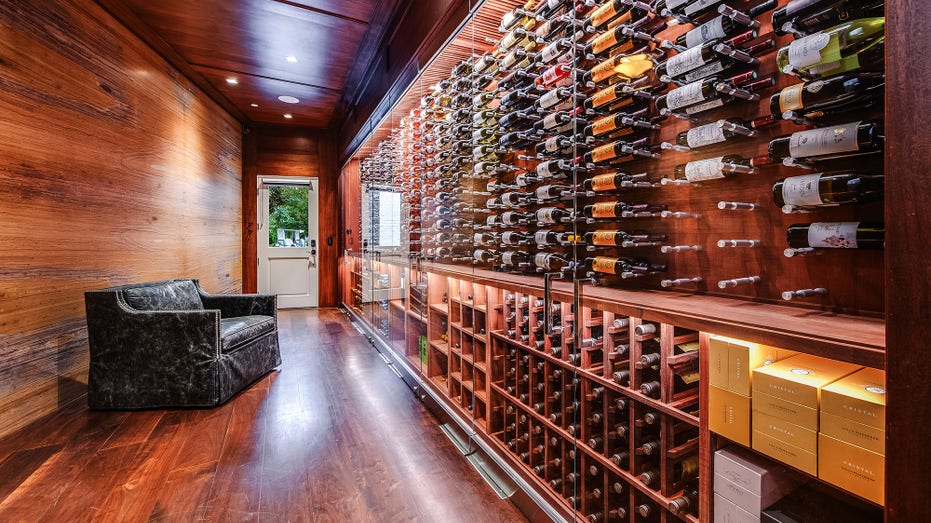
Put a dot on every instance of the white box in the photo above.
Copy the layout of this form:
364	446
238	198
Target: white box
748	501
727	512
754	473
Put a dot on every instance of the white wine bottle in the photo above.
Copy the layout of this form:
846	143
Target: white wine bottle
827	189
857	44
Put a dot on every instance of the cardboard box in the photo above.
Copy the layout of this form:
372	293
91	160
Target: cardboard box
780	408
799	379
859	397
732	362
752	472
852	468
789	454
729	415
727	512
854	433
802	437
753	503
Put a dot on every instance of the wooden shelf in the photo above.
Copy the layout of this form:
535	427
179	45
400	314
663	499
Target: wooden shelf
440	346
442	308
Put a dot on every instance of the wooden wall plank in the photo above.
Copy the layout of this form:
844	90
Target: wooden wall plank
114	168
289	151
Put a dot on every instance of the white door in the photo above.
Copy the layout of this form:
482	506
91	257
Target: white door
288	246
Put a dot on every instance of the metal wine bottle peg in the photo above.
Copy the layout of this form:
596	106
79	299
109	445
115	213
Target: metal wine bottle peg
679	248
736	54
679	215
736	92
792	162
738	16
675	147
793	209
803	293
736	128
679	281
738	243
737	168
665	111
803	251
669	44
673	181
749	280
794	116
737	206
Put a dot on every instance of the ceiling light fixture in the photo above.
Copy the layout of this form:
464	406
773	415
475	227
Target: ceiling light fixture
291	58
232	81
288	116
288	99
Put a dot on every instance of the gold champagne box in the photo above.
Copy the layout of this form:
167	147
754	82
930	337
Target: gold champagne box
797	435
732	362
859	397
729	415
789	454
852	468
799	379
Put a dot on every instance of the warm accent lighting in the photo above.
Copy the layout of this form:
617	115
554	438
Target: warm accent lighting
288	116
288	99
232	81
292	59
253	105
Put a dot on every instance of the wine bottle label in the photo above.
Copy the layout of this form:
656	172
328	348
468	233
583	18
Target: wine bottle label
700	170
552	144
478	238
604	96
702	107
699	5
705	135
491	221
684	96
790	98
549	99
540	236
685	62
604	41
689	377
545	215
704	71
603	182
808	51
673	4
603	153
603	14
550	121
603	264
604	70
802	190
705	32
603	237
603	210
833	235
543	193
508	258
821	142
509	237
544	170
551	52
603	125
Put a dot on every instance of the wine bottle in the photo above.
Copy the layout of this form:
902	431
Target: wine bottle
853	45
548	238
718	167
484	238
836	235
613	181
827	143
804	17
620	95
836	94
682	382
616	209
720	131
610	11
618	238
616	151
551	262
620	124
556	96
619	266
514	238
687	503
546	193
715	29
682	471
616	40
827	189
710	93
552	215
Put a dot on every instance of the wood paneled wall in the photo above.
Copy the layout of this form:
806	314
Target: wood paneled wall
290	151
114	169
350	235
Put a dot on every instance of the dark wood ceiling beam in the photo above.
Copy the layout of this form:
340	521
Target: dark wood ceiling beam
253	75
321	11
124	15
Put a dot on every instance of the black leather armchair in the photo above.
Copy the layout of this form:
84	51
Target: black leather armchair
170	344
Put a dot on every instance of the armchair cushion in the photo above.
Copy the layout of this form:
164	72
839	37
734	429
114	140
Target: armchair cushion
175	295
235	332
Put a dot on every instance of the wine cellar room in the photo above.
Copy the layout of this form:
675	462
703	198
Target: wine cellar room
648	256
606	261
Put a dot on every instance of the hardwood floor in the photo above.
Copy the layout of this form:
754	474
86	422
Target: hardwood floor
332	436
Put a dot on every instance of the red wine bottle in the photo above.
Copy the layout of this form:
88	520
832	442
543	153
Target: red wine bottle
836	235
827	189
830	96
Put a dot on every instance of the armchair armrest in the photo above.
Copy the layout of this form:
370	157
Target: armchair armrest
232	305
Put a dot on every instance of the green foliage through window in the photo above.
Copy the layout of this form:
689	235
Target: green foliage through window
287	212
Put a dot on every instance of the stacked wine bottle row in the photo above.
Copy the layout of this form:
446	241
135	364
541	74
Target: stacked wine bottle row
657	145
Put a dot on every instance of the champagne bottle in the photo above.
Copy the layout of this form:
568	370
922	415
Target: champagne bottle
616	40
853	45
836	235
836	94
618	238
827	143
612	181
610	11
710	93
804	17
826	189
619	266
616	209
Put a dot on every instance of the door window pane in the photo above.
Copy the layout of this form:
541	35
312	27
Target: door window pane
387	207
287	216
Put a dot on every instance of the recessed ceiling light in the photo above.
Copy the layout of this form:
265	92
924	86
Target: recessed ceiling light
254	105
232	81
292	59
288	99
288	116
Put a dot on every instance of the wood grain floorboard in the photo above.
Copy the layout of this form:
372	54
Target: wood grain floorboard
332	435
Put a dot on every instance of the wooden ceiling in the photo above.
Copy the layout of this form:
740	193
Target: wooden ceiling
241	47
